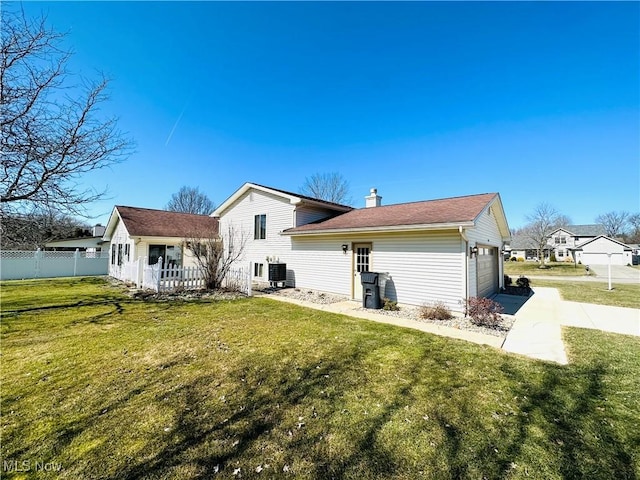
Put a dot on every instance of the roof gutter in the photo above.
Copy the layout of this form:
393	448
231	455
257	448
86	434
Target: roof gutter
382	229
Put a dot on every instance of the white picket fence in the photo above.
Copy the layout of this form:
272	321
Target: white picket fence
25	264
168	278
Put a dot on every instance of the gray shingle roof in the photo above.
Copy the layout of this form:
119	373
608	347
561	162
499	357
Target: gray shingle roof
592	230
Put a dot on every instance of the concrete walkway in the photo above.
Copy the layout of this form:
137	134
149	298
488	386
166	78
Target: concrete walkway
537	330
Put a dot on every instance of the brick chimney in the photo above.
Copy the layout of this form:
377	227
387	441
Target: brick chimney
373	200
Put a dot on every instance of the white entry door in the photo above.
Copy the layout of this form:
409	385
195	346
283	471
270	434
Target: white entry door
361	263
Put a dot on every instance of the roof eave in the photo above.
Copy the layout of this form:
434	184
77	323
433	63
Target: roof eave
324	205
381	229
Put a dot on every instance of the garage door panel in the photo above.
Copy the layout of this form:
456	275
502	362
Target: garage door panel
487	271
593	258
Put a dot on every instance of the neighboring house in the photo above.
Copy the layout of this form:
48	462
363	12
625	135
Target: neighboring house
143	234
601	250
438	250
566	239
91	244
525	248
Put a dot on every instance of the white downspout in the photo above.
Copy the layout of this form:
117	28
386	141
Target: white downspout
465	290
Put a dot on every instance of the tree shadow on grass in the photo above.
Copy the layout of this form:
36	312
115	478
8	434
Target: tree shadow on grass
567	406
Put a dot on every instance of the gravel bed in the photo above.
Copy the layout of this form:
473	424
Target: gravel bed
412	313
303	294
458	321
186	295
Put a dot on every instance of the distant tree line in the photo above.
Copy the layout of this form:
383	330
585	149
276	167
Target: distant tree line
30	231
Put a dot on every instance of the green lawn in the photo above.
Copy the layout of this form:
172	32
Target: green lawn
515	269
622	295
106	387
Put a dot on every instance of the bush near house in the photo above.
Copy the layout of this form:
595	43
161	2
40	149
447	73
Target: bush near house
436	311
484	311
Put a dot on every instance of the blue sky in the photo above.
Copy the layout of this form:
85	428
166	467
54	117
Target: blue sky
538	101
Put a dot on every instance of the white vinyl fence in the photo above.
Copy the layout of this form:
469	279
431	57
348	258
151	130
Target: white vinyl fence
171	277
21	264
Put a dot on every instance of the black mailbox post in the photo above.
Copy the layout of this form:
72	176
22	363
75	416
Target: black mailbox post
370	290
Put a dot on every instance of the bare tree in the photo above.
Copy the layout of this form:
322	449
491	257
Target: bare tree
542	222
614	223
190	200
331	187
28	231
214	254
49	138
634	223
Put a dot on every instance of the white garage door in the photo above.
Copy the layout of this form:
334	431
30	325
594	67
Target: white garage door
591	258
487	271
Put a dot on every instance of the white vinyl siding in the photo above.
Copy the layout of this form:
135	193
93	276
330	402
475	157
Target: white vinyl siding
241	215
320	264
119	238
423	267
485	233
306	214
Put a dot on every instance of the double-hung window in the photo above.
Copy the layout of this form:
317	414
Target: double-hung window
260	227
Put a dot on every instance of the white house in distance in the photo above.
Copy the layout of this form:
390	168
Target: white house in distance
601	250
91	245
143	234
436	250
565	240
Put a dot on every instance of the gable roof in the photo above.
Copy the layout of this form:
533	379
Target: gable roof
591	230
524	242
293	198
613	240
441	213
147	222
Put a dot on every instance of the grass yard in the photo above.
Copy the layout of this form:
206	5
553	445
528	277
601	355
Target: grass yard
564	269
622	295
96	385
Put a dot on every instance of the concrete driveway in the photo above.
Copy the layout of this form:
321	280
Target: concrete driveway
619	273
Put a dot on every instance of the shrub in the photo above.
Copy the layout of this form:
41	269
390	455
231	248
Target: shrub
507	281
513	259
484	311
388	304
521	259
437	311
553	257
523	282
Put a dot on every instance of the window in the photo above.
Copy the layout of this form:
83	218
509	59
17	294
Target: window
119	254
258	269
362	259
126	251
560	253
260	227
113	253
